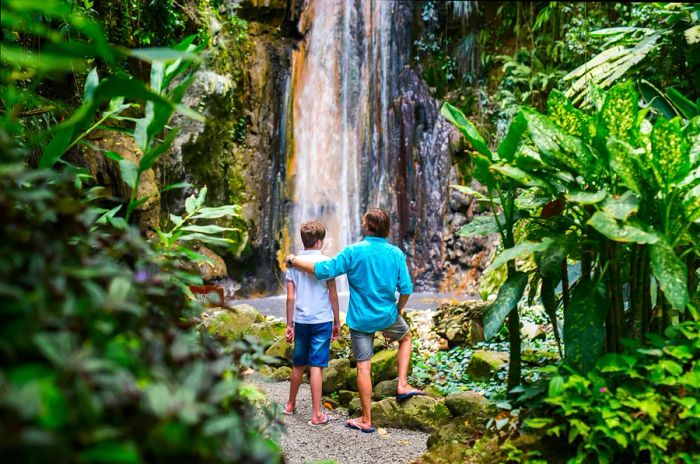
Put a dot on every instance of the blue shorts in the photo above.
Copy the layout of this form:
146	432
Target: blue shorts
312	344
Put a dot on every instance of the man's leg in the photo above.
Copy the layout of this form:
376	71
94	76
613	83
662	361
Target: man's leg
399	330
364	386
316	381
295	382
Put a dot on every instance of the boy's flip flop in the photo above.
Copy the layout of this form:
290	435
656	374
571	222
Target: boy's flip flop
288	413
351	424
405	396
328	419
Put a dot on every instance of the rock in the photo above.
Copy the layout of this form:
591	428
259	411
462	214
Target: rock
461	323
234	322
216	269
484	364
466	403
281	350
352	379
346	396
529	330
282	373
538	357
379	343
433	391
385	389
335	376
266	371
417	413
447	454
384	366
354	406
268	331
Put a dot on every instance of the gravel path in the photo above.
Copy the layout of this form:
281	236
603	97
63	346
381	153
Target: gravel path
305	444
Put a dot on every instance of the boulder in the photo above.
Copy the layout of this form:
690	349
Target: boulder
433	391
379	343
268	331
346	396
352	379
213	269
463	403
461	323
282	373
484	363
234	322
354	406
446	454
418	413
384	366
266	371
385	389
335	376
280	350
329	402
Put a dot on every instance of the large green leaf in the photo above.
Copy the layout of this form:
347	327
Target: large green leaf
482	225
506	301
684	105
129	172
619	113
584	325
549	260
655	99
625	163
621	207
523	177
482	171
457	118
217	212
670	150
587	198
671	273
510	144
625	233
521	249
562	112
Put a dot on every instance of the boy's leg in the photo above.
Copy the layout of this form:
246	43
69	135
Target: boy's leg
319	351
300	359
295	382
363	349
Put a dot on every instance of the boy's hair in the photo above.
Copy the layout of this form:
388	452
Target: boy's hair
312	232
377	223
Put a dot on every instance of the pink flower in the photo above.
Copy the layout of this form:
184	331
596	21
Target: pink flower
602	389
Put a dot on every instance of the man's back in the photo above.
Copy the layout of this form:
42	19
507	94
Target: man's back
376	270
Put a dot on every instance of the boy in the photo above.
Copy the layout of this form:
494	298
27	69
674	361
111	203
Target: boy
312	306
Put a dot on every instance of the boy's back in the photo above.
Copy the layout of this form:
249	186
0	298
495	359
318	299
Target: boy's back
311	304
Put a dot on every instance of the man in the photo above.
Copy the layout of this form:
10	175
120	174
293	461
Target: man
375	270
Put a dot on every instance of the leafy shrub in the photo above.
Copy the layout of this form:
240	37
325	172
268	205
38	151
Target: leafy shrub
641	406
102	359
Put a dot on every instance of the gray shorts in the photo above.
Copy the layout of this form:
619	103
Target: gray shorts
363	342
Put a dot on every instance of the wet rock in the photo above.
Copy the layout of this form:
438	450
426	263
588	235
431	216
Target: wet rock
234	322
214	269
346	396
466	403
335	376
282	373
280	350
384	366
417	413
354	406
461	323
484	364
385	389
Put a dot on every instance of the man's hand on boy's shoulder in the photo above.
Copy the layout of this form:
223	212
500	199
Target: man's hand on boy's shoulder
289	333
288	260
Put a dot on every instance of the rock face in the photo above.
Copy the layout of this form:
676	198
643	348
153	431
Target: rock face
460	324
484	364
418	413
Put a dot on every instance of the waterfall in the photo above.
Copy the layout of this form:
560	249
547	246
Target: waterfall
365	131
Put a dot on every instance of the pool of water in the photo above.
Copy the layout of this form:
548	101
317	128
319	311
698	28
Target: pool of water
275	305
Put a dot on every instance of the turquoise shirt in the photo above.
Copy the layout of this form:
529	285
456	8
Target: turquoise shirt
375	270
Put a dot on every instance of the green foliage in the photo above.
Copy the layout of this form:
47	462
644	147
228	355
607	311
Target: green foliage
638	406
102	357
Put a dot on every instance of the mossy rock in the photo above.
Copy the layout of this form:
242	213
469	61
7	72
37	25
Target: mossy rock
266	371
235	322
416	413
346	396
385	389
268	331
384	366
335	376
433	391
282	373
447	454
352	379
463	403
459	430
484	364
280	350
354	406
379	343
330	403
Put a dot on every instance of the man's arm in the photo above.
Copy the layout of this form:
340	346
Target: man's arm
322	270
291	295
402	302
301	263
333	296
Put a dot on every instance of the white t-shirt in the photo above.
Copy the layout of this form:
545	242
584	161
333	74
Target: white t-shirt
311	303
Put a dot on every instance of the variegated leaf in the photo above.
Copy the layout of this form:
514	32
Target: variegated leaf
625	163
626	233
671	273
561	111
670	150
619	112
